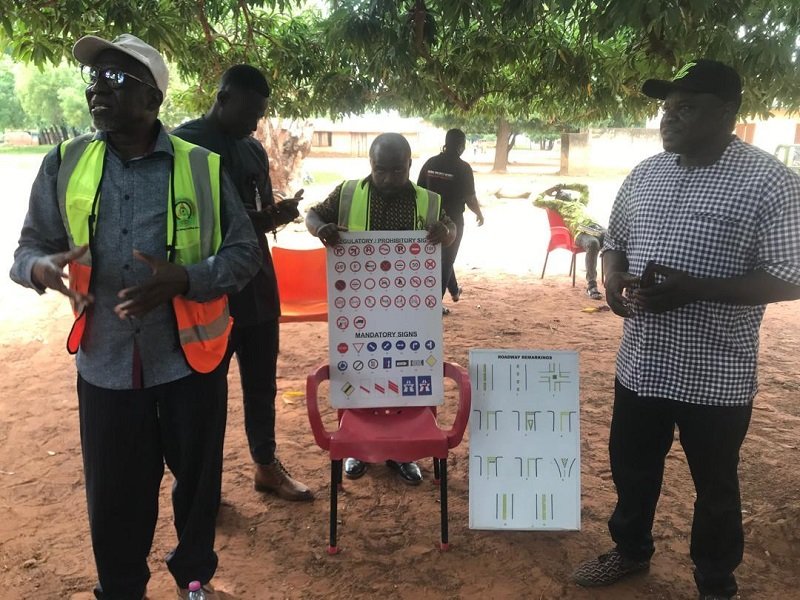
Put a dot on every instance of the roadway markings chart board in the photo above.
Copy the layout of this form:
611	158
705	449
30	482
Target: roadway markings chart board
385	320
524	438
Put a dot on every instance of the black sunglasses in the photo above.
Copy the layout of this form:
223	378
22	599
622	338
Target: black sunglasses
114	78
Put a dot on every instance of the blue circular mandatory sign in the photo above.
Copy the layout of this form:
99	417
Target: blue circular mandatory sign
430	344
387	345
414	345
342	365
372	346
400	345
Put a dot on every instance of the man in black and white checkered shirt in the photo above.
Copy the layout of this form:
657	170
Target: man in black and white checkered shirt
701	238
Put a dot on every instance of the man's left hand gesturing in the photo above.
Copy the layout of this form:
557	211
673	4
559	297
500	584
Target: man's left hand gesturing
168	280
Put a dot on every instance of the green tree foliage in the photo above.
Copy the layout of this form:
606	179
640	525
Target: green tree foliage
758	37
562	63
72	103
181	103
53	101
201	39
564	60
559	63
11	114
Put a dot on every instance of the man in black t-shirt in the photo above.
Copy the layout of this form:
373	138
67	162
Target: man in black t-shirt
241	101
448	175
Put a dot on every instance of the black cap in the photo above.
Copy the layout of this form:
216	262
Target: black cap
700	76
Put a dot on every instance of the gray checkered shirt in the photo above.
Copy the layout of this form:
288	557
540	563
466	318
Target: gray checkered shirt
737	215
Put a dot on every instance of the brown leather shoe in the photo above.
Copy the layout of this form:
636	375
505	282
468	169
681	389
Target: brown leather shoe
274	478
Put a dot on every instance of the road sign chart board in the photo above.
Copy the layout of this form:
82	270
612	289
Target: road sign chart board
385	320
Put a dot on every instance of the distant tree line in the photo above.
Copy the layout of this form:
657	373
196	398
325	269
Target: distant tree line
50	101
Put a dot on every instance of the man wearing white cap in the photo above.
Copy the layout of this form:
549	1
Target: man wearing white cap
155	237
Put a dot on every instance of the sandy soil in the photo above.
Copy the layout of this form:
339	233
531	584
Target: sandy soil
272	549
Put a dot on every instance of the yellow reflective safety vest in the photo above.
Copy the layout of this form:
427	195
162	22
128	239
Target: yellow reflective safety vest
193	234
354	206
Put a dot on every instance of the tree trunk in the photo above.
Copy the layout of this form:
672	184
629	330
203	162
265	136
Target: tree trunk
501	148
287	143
512	140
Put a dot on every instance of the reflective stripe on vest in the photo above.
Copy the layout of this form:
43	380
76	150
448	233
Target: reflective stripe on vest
193	223
354	205
196	204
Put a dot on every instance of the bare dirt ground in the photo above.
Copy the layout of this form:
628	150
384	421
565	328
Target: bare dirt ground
272	549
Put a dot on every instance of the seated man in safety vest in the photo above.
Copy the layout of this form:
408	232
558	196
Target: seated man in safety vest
155	237
569	201
386	200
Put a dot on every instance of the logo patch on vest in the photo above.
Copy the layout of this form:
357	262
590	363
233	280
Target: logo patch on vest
186	215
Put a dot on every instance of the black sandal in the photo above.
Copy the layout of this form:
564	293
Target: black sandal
594	293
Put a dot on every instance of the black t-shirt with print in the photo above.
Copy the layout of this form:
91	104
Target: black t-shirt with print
450	177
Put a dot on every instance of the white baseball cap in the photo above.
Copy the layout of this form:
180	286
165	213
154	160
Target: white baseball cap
88	47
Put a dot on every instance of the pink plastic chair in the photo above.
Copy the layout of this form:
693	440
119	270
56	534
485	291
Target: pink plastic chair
403	434
302	283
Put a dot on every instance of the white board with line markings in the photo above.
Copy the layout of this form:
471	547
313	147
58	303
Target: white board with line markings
524	454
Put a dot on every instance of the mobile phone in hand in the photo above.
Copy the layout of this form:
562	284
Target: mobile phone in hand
648	277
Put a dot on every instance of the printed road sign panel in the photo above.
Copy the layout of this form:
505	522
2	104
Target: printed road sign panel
374	289
524	440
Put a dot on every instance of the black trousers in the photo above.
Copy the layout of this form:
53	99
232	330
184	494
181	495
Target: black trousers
256	349
126	436
642	431
449	254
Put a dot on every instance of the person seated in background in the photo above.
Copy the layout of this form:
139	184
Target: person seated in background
570	201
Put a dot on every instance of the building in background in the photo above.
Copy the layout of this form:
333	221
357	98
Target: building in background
352	136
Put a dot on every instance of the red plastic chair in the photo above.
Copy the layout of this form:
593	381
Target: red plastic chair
302	283
560	237
403	434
